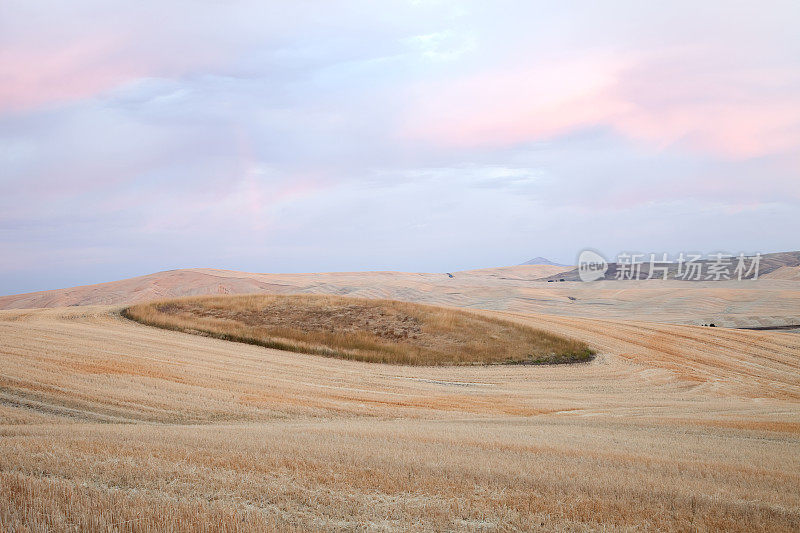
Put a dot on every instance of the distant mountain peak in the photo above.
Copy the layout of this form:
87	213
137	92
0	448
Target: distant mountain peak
542	261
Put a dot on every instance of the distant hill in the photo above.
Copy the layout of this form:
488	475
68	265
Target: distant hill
202	281
784	265
519	286
542	261
790	273
519	273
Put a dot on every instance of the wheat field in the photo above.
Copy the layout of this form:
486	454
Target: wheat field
765	301
110	425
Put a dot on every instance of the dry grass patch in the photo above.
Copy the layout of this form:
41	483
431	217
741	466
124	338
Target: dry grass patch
382	331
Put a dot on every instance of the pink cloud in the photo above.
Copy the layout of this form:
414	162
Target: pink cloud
728	116
249	202
497	108
708	101
736	132
37	76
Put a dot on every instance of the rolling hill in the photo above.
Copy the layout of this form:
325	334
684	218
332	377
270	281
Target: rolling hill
768	264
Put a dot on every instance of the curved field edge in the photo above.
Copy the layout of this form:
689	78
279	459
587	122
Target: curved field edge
380	331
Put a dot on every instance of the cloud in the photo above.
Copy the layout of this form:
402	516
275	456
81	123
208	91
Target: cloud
508	107
737	114
414	135
708	104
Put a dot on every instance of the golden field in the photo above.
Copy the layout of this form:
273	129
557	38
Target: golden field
136	429
107	424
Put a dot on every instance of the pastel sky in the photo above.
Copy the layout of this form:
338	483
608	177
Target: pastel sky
419	135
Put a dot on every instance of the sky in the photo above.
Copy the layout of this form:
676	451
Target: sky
418	136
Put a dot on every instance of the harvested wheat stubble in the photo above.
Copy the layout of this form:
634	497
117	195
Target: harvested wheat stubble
109	425
383	331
